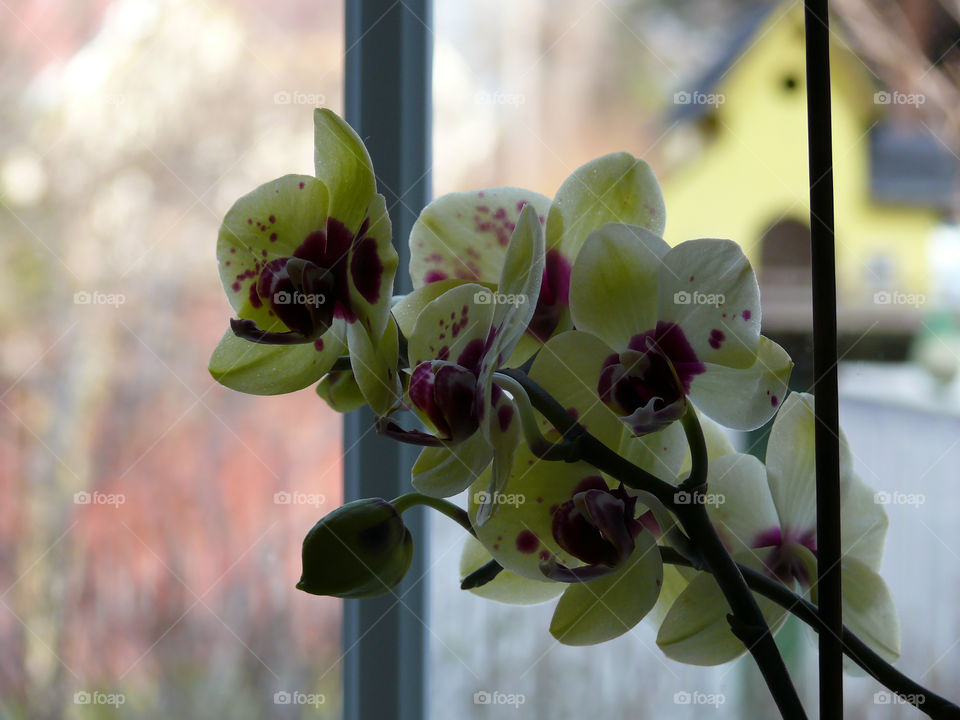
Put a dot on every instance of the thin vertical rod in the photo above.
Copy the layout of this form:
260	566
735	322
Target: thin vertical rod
827	438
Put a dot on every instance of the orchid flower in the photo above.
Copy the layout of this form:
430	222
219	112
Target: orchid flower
456	343
308	267
463	236
766	516
560	528
676	323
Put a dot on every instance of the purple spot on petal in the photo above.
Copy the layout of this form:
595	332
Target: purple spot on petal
273	237
527	542
746	314
773	400
716	339
318	344
434	276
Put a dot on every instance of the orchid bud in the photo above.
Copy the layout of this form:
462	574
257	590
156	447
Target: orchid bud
361	549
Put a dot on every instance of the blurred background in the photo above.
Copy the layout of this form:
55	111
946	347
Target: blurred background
150	520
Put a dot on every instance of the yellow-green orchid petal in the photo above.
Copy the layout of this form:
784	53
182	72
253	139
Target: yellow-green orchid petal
599	610
506	587
465	235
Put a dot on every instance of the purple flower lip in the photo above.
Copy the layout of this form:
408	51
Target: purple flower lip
446	393
300	294
784	560
598	527
647	384
307	290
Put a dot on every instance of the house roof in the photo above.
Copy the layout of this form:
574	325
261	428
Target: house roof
740	40
909	166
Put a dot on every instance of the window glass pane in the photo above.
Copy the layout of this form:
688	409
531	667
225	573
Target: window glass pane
152	520
712	95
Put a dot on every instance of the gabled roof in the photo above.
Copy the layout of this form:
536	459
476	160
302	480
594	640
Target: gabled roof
746	28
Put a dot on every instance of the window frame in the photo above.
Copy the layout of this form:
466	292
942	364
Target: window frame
387	98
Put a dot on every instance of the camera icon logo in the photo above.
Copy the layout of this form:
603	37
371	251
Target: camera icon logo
681	98
481	497
881	97
282	498
882	297
81	498
82	697
881	498
282	298
881	698
483	297
682	497
681	297
281	98
481	697
81	298
282	697
682	698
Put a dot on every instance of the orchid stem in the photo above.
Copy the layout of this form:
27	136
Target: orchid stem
455	513
538	444
697	480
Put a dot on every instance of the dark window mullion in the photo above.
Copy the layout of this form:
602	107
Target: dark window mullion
387	98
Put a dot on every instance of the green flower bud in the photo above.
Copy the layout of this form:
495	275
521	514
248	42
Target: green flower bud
340	391
361	549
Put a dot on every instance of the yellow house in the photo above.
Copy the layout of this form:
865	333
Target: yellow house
737	155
